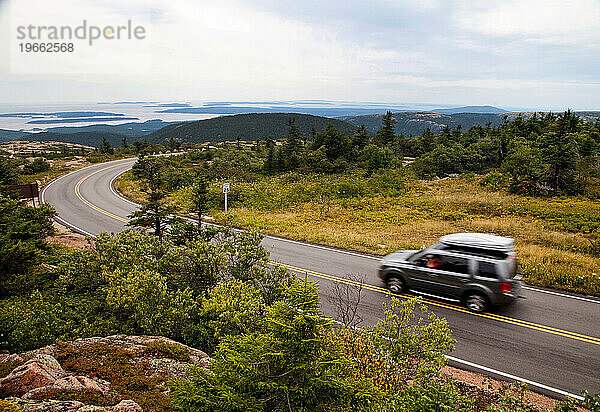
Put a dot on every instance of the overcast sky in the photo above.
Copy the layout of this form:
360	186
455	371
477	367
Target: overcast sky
539	54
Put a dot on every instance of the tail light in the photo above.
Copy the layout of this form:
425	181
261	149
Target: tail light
505	287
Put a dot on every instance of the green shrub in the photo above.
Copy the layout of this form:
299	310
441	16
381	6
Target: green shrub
495	180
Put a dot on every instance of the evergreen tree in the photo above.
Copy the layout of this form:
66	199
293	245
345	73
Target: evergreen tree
361	138
200	197
9	175
154	213
269	166
279	160
526	168
428	141
293	144
173	144
288	365
446	136
22	240
124	142
313	133
559	152
106	148
336	143
387	133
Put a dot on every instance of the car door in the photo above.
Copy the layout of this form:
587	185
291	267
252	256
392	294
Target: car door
423	275
452	276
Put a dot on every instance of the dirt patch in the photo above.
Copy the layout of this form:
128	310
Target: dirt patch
66	237
489	384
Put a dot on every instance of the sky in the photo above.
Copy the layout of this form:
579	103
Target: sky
533	54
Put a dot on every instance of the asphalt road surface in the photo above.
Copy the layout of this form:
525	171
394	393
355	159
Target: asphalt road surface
550	340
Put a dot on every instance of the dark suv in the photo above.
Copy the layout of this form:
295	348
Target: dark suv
476	268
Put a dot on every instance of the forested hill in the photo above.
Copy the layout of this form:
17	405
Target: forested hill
415	123
247	127
260	125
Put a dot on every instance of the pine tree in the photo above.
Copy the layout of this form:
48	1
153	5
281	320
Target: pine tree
269	166
200	197
173	144
336	143
361	138
154	213
279	160
106	148
387	134
293	143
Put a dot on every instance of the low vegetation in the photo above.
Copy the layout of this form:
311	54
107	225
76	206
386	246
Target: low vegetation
214	289
391	209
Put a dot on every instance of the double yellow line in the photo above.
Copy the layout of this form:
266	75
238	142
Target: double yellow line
298	270
499	318
91	205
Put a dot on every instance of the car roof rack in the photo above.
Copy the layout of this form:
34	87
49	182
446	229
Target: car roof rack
479	241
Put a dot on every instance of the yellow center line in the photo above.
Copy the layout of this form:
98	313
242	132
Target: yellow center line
499	318
91	205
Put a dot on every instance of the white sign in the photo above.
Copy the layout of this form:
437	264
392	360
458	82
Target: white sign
225	190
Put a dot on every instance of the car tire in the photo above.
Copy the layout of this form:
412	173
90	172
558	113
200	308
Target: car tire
476	302
396	285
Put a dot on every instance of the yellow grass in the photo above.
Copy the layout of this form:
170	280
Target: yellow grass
550	255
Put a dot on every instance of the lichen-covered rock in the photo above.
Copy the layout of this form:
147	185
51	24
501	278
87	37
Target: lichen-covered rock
43	370
125	406
28	405
71	384
48	405
136	344
115	374
13	358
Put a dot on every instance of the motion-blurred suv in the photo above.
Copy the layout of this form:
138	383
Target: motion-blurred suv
478	269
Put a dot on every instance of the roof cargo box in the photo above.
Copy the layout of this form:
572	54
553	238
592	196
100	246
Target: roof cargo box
479	241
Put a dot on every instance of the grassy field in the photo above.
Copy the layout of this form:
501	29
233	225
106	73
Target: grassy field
555	237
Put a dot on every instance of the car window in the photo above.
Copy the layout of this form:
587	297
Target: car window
455	264
431	261
487	270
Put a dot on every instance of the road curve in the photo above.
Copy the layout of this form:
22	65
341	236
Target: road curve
551	340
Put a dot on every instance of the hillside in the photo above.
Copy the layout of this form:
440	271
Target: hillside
415	123
8	135
471	109
259	125
246	126
132	129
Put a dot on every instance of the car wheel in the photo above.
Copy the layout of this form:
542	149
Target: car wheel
396	285
476	302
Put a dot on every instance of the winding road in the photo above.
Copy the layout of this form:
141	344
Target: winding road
550	340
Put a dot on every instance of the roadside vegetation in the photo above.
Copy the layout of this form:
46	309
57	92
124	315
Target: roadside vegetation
215	290
355	193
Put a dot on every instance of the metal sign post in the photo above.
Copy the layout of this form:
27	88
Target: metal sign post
225	190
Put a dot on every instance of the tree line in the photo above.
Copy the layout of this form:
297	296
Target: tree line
545	154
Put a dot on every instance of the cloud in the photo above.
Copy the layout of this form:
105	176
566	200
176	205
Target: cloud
568	22
391	50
